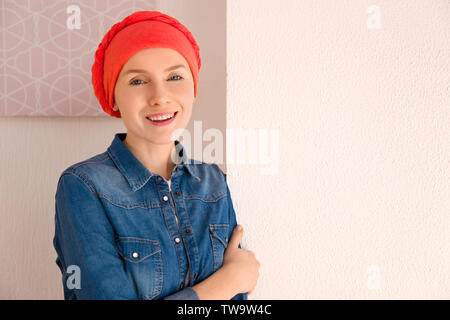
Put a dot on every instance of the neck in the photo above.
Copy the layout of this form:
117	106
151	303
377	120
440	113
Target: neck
155	157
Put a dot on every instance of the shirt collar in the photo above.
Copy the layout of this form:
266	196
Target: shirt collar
135	172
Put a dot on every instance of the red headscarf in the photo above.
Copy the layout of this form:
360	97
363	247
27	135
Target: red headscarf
138	31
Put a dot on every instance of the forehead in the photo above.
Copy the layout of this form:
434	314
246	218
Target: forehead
154	59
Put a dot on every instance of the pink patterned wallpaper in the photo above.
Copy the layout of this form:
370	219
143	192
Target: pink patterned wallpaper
46	52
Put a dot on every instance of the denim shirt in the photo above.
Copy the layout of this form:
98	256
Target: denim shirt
120	233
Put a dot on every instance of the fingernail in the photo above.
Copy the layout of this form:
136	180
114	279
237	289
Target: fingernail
239	227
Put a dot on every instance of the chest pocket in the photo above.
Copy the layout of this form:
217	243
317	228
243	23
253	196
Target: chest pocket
143	263
219	240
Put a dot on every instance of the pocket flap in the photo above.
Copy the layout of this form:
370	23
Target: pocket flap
137	249
220	232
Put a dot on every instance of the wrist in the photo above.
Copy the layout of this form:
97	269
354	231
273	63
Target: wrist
218	286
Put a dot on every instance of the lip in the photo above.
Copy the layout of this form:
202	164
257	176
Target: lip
165	122
160	114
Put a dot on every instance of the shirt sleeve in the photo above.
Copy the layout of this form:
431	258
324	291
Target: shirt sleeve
187	293
85	243
84	239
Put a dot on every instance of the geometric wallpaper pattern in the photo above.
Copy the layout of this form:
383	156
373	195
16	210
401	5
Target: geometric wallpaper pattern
47	50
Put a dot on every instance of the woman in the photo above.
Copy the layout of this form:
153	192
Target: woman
142	220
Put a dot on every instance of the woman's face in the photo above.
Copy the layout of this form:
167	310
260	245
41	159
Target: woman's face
152	90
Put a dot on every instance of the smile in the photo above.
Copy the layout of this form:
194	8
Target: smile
162	120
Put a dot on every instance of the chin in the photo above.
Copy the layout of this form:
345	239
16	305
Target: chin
161	140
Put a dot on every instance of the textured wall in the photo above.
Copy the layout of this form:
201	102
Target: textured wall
360	205
34	151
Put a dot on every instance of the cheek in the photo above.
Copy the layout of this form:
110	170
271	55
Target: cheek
125	94
187	115
183	91
186	88
120	95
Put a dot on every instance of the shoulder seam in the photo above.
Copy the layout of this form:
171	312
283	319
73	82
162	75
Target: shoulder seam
220	170
84	180
76	165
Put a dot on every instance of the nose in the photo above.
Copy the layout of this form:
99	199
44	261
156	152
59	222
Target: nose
158	95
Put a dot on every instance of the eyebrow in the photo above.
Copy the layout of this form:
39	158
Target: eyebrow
145	71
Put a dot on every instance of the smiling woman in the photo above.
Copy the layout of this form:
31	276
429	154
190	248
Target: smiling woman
154	99
142	220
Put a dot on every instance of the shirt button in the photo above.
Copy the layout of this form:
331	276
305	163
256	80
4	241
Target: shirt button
177	240
187	231
135	255
165	198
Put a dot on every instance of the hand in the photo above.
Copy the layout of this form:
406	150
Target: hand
241	263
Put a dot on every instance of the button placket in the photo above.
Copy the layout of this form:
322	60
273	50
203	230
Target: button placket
180	239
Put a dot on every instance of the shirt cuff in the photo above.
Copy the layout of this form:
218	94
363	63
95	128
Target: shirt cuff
187	293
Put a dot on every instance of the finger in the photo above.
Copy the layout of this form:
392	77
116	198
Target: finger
236	237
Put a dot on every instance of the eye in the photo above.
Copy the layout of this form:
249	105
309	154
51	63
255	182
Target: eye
133	82
176	76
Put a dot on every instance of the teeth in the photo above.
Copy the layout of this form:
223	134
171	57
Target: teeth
162	117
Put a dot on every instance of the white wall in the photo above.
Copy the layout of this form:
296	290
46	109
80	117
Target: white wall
360	205
34	151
